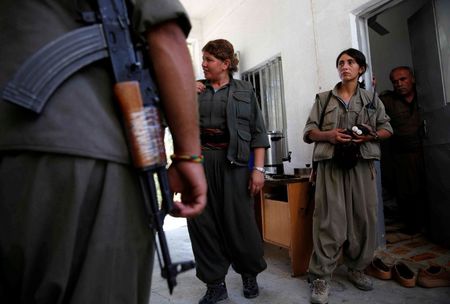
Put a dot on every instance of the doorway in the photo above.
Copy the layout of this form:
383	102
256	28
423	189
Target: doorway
415	33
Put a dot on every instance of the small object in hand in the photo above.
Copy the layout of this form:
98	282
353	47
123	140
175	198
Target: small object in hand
360	130
365	130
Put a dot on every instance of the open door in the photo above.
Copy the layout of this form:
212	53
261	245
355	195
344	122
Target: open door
429	31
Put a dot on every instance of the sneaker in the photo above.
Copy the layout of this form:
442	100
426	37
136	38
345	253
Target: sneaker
359	279
251	289
320	290
214	293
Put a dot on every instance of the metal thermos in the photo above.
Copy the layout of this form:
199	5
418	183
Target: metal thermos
277	153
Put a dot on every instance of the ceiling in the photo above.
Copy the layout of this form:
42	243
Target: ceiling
198	9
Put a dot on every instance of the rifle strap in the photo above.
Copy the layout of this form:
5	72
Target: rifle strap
322	115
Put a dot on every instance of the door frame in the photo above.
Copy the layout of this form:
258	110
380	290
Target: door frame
360	29
360	39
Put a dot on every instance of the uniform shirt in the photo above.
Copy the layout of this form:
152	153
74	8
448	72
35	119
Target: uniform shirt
80	118
339	115
405	120
236	107
212	107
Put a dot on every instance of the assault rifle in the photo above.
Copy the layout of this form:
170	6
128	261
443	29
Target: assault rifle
108	35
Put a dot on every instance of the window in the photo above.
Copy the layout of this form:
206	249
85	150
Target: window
195	53
267	79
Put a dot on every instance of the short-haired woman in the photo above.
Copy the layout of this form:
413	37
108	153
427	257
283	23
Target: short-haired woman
232	129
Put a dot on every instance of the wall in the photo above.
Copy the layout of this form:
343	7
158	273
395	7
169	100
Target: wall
392	49
195	40
308	34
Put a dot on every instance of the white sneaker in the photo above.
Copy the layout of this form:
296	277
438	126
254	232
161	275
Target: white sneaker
319	291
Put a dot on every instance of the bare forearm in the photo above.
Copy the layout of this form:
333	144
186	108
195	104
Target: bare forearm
383	134
317	135
337	136
259	157
173	69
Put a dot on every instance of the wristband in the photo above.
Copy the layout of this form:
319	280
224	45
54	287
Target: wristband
189	158
260	169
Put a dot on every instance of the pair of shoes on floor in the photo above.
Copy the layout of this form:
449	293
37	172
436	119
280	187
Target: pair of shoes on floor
433	276
218	292
400	272
320	289
378	269
404	275
359	279
214	293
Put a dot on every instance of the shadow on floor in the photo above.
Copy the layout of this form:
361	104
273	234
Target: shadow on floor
278	287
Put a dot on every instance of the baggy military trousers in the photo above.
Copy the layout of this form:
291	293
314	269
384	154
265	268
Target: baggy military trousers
344	218
226	232
72	230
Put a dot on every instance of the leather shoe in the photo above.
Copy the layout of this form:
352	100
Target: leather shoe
214	293
378	269
404	275
433	276
250	286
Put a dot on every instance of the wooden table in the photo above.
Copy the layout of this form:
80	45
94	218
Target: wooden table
286	219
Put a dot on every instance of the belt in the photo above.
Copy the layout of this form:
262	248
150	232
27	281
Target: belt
214	139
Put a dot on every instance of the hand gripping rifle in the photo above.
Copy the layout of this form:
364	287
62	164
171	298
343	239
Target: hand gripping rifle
108	35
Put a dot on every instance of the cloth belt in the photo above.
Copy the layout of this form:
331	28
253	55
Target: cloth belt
214	139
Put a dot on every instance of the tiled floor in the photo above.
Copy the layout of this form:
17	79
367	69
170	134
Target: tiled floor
414	250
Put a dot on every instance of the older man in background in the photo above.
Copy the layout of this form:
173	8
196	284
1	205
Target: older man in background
402	159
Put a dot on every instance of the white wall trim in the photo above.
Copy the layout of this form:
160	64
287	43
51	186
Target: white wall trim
360	30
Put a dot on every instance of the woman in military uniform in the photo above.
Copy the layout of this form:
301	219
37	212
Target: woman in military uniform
232	129
346	198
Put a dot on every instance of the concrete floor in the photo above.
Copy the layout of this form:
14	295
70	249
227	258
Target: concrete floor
276	284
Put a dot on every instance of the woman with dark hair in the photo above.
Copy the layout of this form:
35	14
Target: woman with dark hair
232	129
346	125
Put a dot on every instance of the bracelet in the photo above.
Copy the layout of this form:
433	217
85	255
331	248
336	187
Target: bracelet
189	158
260	169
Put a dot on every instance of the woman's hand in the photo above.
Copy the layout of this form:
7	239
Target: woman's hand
256	182
359	139
199	87
338	135
366	134
334	136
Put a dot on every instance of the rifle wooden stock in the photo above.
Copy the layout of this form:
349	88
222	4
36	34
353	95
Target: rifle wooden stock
146	144
143	126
